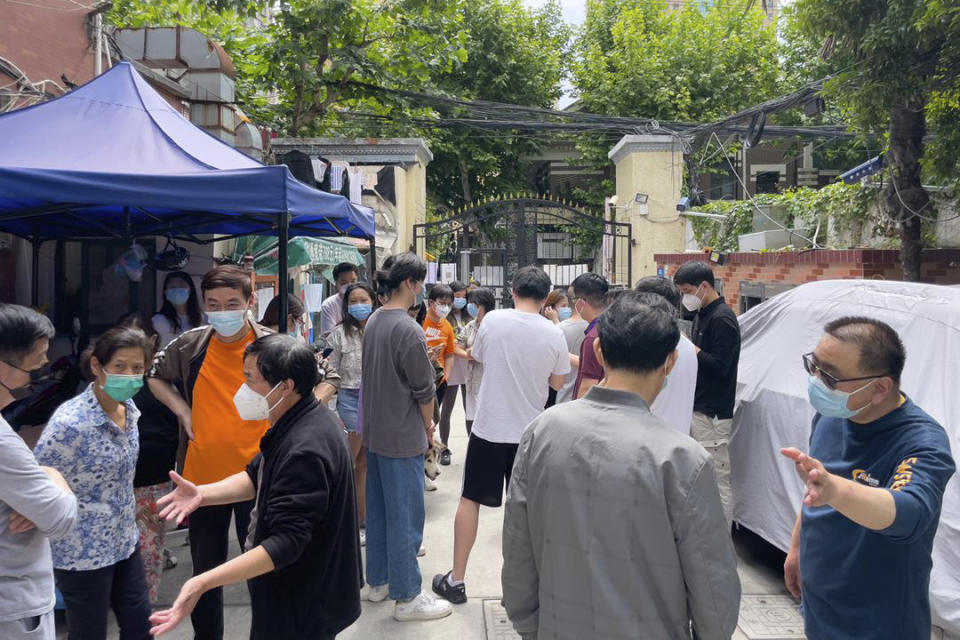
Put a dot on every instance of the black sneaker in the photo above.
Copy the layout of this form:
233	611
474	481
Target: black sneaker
443	588
445	457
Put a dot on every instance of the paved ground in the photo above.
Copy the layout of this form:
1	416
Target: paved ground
759	565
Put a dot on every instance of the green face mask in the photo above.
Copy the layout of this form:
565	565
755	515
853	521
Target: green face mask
122	387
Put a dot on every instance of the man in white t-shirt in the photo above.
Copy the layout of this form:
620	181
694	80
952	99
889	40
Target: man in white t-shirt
674	404
521	352
331	311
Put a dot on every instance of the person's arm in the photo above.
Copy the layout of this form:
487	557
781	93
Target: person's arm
520	578
251	564
325	391
903	510
707	558
724	346
335	342
171	398
561	364
791	566
188	497
38	496
574	361
420	375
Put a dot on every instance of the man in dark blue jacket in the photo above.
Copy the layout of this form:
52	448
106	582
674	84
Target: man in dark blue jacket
303	551
875	476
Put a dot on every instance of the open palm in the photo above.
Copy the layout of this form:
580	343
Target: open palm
181	502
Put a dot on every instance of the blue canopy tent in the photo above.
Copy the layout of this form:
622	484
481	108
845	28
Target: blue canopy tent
113	159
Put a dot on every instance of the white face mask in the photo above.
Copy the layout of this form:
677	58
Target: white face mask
253	406
443	310
692	301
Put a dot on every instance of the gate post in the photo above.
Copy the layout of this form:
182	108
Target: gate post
651	165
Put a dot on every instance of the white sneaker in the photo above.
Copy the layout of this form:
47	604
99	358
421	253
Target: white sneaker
363	537
374	594
429	485
422	551
423	607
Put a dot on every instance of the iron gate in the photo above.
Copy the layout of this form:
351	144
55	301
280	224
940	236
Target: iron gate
490	240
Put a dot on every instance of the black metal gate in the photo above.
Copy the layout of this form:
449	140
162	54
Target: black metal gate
490	240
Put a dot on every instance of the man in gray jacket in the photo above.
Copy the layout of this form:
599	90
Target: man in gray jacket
35	502
613	525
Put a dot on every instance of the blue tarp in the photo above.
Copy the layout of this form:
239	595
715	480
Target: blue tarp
114	158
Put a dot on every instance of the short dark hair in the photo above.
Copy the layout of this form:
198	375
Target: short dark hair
663	287
532	283
456	286
228	276
881	350
638	332
592	287
20	330
342	268
694	274
271	315
398	269
439	291
482	298
282	357
124	336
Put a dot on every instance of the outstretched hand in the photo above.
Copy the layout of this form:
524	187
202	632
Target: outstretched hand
821	484
181	502
183	606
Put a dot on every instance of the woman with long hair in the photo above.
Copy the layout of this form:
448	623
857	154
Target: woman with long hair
93	440
346	340
180	310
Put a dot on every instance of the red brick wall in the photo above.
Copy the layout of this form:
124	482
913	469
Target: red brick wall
46	38
940	266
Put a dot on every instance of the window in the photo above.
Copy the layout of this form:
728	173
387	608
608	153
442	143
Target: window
768	182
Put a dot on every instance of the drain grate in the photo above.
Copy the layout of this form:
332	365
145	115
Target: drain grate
770	618
496	625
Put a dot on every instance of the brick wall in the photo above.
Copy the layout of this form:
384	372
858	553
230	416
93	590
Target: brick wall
940	266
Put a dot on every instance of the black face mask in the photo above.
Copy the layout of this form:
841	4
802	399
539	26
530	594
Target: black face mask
18	393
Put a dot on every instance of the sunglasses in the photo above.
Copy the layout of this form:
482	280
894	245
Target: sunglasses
831	381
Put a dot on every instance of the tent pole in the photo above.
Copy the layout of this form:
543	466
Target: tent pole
35	275
372	261
282	271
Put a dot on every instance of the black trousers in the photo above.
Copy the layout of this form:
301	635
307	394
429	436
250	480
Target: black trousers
90	595
447	400
209	544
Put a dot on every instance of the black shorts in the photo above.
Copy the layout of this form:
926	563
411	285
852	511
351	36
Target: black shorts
486	470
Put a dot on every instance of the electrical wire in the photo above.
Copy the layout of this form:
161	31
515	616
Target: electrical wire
917	214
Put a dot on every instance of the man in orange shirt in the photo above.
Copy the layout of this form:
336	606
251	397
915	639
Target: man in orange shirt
441	341
196	376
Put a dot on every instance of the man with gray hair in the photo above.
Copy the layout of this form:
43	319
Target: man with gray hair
35	502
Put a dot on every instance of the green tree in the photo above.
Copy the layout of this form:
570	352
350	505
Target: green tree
297	60
514	55
697	64
895	65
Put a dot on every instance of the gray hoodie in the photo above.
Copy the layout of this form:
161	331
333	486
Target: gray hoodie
26	568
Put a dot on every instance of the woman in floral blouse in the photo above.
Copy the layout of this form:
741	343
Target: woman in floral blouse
346	340
93	441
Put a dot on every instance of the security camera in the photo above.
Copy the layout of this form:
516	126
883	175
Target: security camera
683	204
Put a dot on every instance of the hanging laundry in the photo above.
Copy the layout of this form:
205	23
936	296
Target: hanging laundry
337	171
355	174
319	168
300	166
369	181
386	185
313	297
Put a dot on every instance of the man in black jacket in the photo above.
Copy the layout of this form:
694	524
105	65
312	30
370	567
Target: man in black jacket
303	551
716	335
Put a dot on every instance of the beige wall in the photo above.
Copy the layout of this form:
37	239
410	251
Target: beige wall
414	204
652	165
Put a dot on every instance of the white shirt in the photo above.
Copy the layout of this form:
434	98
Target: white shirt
674	405
519	352
331	313
165	330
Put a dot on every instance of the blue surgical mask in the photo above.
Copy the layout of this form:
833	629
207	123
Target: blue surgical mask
832	403
178	295
473	310
459	303
564	313
360	311
227	323
419	299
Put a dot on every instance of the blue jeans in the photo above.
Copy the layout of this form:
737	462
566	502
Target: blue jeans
395	516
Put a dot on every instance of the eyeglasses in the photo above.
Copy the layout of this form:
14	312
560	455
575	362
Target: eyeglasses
829	380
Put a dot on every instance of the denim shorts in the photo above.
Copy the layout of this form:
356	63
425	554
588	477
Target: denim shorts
348	408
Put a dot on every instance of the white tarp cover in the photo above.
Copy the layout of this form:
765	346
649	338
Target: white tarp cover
773	412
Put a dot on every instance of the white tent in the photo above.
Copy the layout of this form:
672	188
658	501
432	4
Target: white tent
773	412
